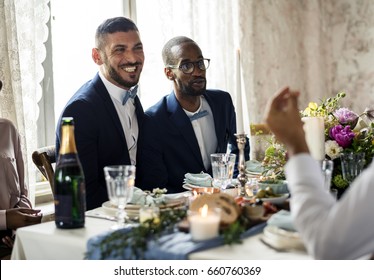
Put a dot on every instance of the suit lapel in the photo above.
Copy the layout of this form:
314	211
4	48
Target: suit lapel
183	124
139	111
108	103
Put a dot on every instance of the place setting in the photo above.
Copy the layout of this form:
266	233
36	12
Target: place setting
127	203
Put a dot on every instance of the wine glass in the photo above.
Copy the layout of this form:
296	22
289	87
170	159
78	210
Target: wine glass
352	165
120	181
223	169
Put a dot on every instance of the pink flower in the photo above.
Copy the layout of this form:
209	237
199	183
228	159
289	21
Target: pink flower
346	116
342	135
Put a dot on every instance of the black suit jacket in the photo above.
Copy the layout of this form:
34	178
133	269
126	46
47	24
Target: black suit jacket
170	148
99	136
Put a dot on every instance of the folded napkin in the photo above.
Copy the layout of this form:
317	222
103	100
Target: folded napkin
254	166
139	197
282	219
199	179
174	246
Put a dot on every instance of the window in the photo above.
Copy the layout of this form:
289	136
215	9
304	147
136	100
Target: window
73	24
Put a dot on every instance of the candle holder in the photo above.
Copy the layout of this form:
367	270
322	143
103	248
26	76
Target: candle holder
204	223
242	177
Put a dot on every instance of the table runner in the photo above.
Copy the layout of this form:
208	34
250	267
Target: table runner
174	246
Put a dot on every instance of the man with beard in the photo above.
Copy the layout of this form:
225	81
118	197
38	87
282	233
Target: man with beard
185	127
107	113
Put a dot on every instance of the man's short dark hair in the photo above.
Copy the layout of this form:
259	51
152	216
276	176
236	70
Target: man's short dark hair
167	55
112	25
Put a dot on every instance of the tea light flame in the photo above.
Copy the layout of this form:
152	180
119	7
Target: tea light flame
204	211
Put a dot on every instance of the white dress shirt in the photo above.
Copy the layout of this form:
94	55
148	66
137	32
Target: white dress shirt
205	132
127	116
330	229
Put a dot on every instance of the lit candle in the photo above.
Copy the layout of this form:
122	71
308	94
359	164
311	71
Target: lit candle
314	128
204	224
238	106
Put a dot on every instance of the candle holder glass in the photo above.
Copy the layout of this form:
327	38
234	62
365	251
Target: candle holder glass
204	225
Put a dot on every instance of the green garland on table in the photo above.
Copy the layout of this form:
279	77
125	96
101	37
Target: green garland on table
136	239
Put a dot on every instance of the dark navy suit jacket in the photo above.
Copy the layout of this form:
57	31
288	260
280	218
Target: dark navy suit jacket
99	136
170	148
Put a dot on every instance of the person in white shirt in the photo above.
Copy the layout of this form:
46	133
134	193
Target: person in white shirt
330	229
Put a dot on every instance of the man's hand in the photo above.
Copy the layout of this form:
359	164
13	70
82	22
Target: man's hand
283	118
20	217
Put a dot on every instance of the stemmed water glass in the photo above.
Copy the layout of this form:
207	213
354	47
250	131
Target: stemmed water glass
352	165
222	169
120	181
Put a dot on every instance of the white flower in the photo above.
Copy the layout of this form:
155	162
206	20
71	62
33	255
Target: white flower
332	149
360	125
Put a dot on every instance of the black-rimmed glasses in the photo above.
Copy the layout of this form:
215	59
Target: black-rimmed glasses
189	67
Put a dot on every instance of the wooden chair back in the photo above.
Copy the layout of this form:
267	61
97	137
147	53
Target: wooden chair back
44	158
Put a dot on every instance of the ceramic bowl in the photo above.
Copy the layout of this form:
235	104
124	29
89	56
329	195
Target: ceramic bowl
254	212
280	187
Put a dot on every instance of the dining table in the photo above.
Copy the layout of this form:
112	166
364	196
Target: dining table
45	241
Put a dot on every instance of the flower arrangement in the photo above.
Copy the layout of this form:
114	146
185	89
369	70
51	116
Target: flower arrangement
344	131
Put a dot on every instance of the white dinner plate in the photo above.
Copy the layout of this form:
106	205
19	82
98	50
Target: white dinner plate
111	209
278	199
200	189
132	210
282	239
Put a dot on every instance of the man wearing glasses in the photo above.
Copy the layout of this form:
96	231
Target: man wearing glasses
186	126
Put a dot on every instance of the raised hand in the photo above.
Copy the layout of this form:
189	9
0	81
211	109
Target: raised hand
283	118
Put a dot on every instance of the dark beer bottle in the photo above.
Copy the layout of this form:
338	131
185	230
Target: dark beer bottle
70	194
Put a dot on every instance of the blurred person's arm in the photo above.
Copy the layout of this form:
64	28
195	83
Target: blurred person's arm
329	229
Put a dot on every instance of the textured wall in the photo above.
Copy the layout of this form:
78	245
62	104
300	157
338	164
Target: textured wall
319	47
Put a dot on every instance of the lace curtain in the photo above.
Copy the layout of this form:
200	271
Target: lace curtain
318	47
23	32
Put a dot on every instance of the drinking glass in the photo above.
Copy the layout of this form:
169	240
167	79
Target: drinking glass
327	169
120	181
251	188
223	169
352	165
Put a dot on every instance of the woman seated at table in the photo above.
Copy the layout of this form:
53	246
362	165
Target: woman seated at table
15	207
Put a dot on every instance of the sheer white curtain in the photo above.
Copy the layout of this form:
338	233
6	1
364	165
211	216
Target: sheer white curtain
23	32
210	23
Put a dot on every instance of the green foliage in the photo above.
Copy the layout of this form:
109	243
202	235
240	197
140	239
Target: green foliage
325	109
339	182
274	161
231	234
114	244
